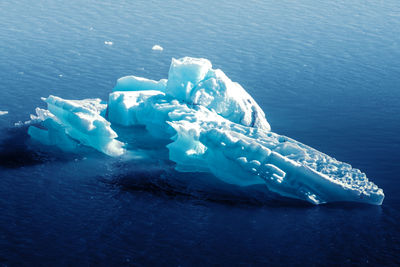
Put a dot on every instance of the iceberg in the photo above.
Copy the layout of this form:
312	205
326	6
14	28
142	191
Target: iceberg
209	124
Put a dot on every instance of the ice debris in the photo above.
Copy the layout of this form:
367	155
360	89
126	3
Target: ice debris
108	43
157	48
215	127
3	113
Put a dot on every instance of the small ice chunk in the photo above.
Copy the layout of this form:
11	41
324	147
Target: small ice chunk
157	48
108	43
3	112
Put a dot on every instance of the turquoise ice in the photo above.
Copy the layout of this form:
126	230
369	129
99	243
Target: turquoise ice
213	125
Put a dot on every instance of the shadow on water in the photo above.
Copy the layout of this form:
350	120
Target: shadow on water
14	152
17	150
156	184
162	180
157	177
349	206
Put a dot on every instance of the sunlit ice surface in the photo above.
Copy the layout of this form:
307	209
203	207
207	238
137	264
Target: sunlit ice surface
207	124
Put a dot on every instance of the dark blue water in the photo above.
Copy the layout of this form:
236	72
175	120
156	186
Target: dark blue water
326	73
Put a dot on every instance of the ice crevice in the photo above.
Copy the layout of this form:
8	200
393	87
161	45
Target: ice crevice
213	125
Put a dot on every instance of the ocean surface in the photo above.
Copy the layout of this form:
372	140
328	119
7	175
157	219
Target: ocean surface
326	73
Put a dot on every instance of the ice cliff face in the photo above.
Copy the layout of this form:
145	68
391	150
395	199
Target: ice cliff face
215	127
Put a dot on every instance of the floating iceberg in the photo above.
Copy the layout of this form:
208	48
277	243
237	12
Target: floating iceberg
215	127
3	112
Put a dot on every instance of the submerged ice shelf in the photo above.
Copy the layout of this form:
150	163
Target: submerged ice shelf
215	127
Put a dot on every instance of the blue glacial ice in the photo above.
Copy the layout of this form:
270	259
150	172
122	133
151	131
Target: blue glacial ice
213	126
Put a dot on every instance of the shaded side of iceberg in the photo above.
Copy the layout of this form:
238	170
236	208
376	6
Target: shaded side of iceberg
215	126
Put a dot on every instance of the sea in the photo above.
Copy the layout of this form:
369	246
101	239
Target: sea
326	73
